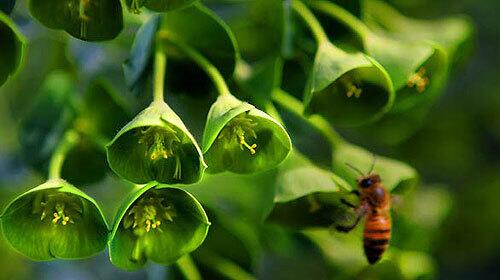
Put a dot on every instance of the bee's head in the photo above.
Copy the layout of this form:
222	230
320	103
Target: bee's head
368	181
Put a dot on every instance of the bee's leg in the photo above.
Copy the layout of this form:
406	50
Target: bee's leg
342	228
345	202
356	192
360	212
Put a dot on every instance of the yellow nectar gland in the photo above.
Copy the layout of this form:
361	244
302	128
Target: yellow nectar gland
240	126
351	88
63	207
418	80
162	143
149	213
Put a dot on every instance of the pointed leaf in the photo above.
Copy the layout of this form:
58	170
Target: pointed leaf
140	55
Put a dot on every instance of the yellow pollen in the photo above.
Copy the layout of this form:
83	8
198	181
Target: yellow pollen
56	218
419	80
251	148
353	90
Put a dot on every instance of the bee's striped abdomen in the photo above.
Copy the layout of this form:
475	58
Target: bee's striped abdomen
376	236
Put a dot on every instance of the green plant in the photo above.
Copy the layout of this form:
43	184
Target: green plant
262	89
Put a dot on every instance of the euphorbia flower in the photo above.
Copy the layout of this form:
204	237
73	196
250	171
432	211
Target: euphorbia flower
159	223
241	138
156	146
55	220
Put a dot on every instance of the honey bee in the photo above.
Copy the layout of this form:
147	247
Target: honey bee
375	203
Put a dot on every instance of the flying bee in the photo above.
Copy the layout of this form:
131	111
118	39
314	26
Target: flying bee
375	203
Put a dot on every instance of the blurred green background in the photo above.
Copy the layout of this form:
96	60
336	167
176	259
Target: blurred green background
449	228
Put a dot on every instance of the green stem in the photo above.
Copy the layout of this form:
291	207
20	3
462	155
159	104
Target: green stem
68	141
342	15
188	268
294	106
202	61
311	21
225	267
160	65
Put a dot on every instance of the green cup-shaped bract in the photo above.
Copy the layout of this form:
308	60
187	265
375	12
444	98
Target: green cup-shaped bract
11	48
347	88
55	220
156	146
157	223
87	20
157	5
453	33
242	139
417	69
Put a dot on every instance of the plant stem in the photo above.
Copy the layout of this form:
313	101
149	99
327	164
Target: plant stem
310	20
202	61
68	141
160	65
188	268
225	267
342	15
294	106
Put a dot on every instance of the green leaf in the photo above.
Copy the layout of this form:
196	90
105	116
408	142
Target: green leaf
242	139
347	88
11	49
83	19
85	163
258	81
55	220
157	5
305	194
158	223
156	146
136	65
396	176
259	27
203	30
102	113
52	113
453	33
249	196
298	177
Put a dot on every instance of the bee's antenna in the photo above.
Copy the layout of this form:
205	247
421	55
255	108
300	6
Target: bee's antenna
355	169
373	164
